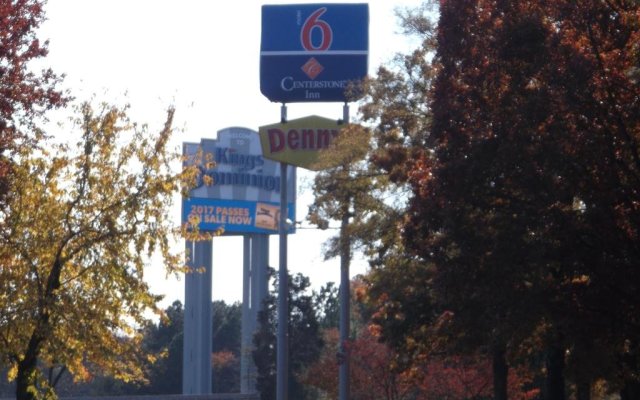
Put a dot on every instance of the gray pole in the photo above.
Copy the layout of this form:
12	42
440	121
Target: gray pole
196	374
345	259
262	289
282	346
247	328
255	290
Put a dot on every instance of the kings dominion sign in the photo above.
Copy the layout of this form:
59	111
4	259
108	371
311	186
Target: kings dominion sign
240	191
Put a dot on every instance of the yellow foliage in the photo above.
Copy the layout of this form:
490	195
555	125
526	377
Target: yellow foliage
77	228
13	372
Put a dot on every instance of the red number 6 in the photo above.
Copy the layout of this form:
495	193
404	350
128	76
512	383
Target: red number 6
310	24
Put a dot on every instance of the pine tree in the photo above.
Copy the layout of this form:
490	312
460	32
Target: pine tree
305	341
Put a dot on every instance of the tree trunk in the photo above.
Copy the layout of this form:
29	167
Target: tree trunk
27	377
583	390
345	302
630	391
631	387
500	373
554	384
26	380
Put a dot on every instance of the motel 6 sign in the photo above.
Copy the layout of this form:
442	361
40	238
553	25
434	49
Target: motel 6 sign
313	52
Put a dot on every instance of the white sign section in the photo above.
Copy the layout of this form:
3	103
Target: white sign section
237	189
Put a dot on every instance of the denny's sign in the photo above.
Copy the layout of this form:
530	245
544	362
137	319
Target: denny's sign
298	142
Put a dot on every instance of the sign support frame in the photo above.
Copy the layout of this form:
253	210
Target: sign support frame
282	343
345	305
196	374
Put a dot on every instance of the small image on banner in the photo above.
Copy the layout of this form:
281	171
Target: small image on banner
267	216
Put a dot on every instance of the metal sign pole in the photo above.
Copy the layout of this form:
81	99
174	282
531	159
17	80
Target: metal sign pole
282	347
345	302
247	330
255	290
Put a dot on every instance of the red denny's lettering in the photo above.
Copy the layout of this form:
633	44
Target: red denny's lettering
300	139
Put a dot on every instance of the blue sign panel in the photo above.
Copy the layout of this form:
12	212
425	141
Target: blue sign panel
313	52
237	189
236	217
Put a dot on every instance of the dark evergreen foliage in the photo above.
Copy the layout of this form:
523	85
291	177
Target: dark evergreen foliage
305	340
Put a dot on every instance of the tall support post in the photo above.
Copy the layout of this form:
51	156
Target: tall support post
282	343
196	372
262	273
345	113
247	314
345	297
255	290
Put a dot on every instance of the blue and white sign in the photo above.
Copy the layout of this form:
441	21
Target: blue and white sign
313	52
237	188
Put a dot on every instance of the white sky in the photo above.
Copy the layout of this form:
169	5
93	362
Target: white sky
203	57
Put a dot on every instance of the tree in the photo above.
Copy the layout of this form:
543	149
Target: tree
398	105
80	222
305	341
534	154
325	302
376	373
24	94
164	339
524	205
227	319
371	375
226	372
399	284
473	216
346	191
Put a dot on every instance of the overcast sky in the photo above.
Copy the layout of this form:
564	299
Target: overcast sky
202	56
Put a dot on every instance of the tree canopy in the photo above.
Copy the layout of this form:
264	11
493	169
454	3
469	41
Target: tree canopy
516	127
24	94
80	223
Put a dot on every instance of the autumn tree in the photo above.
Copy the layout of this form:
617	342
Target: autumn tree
227	319
524	205
534	114
24	94
471	211
397	104
374	374
347	192
81	222
371	373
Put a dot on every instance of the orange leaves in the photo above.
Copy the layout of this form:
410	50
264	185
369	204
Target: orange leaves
223	359
373	374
